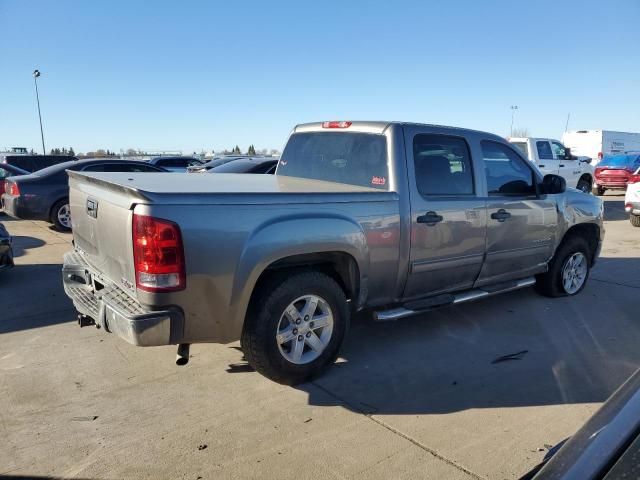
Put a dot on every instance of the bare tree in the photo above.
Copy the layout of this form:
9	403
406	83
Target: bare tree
520	132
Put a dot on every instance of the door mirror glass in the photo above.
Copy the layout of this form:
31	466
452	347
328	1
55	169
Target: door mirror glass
553	184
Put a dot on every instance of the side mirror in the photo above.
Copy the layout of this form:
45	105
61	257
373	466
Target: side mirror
585	159
567	154
553	184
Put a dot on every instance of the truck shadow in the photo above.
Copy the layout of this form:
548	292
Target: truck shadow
22	243
571	350
614	210
31	296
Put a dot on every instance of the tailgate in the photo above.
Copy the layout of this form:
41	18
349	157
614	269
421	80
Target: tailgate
101	215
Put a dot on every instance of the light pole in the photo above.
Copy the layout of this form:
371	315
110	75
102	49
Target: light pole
36	74
513	114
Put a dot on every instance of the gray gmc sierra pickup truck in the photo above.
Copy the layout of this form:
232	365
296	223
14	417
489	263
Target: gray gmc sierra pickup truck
396	218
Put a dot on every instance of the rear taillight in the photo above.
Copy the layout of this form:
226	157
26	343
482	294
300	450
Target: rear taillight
598	170
336	124
11	188
158	255
634	179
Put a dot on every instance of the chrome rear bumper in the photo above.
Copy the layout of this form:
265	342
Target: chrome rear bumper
115	311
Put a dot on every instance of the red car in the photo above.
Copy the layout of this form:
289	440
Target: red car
613	172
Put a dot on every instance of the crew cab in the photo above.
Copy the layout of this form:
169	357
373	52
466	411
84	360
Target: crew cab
551	156
395	218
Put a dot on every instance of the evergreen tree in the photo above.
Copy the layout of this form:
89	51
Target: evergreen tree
252	150
71	152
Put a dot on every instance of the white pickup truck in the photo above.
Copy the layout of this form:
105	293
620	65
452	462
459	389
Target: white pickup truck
551	156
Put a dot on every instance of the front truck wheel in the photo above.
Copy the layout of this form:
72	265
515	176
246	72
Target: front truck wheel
568	270
295	326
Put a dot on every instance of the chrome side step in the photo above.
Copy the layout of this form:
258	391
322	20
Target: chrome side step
468	296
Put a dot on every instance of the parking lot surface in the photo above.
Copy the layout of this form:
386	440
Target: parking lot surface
418	398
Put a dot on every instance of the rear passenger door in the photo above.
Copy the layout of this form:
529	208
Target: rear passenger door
448	219
547	163
521	224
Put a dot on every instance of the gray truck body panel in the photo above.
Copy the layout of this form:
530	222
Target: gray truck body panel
237	227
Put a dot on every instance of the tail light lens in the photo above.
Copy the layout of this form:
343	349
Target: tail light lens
634	179
158	255
11	188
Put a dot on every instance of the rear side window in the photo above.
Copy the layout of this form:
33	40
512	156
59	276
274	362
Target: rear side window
351	158
544	151
442	165
522	146
506	172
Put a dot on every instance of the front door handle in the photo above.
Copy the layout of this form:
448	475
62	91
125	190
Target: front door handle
501	215
430	218
562	164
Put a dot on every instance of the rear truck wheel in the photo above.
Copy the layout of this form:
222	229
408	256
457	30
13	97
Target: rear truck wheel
61	215
600	191
568	270
295	326
635	220
584	186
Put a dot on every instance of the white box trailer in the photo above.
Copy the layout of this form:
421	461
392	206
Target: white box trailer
597	143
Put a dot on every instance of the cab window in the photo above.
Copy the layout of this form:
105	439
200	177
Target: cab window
544	150
507	173
442	165
559	152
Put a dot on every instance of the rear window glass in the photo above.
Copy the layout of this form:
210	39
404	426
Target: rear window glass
351	158
522	146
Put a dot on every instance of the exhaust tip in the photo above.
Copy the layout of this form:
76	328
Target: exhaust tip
182	356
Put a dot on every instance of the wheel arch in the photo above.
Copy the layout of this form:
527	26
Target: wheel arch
588	231
333	245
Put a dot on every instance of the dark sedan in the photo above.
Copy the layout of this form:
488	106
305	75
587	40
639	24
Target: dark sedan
43	195
247	165
7	171
6	254
175	164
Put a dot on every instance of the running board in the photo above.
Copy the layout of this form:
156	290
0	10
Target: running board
468	296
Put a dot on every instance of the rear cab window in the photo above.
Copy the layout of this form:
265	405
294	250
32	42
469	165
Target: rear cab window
544	150
442	165
351	158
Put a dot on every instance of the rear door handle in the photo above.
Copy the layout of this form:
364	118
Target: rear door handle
562	165
501	215
430	218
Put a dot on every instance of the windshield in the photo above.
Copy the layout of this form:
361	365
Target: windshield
351	158
620	161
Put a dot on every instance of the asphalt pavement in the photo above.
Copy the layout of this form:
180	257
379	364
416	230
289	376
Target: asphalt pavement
418	398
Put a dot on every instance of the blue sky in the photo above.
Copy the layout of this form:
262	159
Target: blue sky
194	75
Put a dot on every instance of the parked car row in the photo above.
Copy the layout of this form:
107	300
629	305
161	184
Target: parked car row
43	194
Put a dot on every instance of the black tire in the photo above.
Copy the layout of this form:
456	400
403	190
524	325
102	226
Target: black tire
584	185
550	283
54	215
599	191
268	305
635	220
